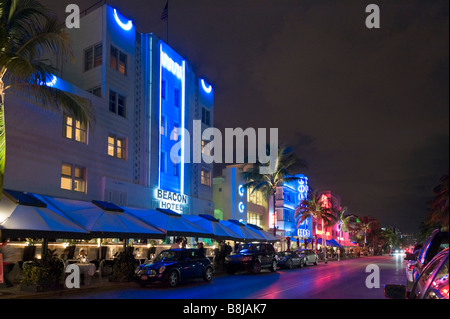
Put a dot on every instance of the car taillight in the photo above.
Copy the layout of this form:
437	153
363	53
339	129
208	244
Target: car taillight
411	267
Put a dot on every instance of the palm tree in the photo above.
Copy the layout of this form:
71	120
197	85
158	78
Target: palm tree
29	35
365	225
342	219
286	161
313	207
439	205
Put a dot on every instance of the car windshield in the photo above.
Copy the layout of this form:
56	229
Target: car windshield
304	252
248	248
168	256
285	253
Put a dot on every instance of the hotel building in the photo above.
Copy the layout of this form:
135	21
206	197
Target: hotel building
145	98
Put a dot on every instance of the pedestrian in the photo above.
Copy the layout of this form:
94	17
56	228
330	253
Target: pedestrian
201	249
176	244
8	262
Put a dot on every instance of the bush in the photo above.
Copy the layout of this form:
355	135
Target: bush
48	270
124	267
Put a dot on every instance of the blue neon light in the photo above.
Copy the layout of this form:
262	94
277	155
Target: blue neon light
241	190
241	207
51	82
126	26
206	87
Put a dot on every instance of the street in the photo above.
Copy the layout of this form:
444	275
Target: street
345	279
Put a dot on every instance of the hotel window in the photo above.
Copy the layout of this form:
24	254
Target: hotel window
162	129
175	132
205	177
74	130
73	178
205	116
254	219
176	101
117	103
93	57
176	171
163	89
116	146
97	91
163	162
118	60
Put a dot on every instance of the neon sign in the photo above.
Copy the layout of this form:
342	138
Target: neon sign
126	26
303	233
241	190
170	200
206	87
170	65
241	207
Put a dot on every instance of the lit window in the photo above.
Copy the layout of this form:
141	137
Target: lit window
205	177
116	147
254	219
175	132
118	60
74	130
73	178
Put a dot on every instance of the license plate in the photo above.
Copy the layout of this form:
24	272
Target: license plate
144	277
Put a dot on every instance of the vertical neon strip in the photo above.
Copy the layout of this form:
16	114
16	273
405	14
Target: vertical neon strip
233	193
183	111
159	126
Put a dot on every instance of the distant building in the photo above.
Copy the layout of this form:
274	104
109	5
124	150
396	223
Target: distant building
233	201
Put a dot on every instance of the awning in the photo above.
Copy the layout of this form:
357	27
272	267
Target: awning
245	233
269	237
213	226
334	243
103	219
25	215
173	224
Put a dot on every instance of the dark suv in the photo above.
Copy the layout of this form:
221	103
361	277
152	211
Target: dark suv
252	257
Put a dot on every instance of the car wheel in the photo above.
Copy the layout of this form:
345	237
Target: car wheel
290	265
173	278
208	274
274	265
316	262
256	268
302	264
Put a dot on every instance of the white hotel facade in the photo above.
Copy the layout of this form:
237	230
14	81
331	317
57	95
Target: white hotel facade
141	90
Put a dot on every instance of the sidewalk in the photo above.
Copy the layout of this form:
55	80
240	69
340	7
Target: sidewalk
97	284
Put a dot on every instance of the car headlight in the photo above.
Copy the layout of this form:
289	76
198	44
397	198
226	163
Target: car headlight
161	270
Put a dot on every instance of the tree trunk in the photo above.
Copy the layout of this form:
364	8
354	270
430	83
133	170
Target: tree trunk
2	138
274	215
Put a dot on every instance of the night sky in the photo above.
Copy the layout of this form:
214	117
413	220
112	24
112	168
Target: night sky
367	109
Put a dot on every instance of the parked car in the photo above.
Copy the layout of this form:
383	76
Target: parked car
310	256
431	284
252	257
175	265
410	265
435	243
290	259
